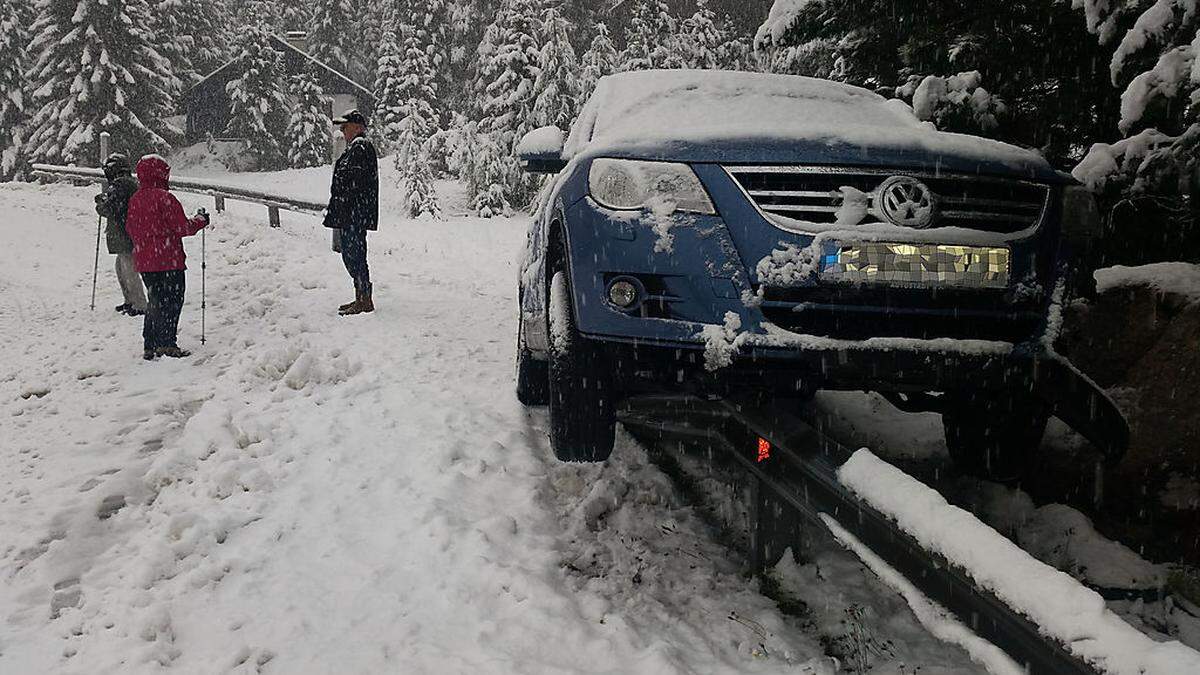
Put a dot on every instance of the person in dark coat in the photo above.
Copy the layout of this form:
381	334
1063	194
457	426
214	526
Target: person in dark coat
354	206
157	225
113	203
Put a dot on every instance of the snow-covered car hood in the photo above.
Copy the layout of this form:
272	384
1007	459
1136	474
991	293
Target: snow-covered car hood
749	118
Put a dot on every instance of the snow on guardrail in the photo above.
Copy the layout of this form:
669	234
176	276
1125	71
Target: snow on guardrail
1063	609
200	186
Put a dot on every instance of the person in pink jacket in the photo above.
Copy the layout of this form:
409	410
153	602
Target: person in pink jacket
157	225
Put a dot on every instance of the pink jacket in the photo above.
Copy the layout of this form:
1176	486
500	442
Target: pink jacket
156	221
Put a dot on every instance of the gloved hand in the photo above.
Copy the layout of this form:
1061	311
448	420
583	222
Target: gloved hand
201	213
100	197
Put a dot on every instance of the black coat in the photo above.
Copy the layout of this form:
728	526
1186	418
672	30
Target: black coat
113	204
354	195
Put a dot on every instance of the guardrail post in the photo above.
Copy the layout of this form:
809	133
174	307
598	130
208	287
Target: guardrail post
219	203
104	143
273	215
758	507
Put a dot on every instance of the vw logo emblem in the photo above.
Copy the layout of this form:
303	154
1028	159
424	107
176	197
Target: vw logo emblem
906	202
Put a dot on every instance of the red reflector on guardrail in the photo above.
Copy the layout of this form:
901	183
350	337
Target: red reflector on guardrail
764	449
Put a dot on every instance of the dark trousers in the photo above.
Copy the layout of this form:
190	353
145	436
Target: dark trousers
164	292
354	255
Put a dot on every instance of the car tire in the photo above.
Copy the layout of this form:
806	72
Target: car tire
582	403
995	438
533	375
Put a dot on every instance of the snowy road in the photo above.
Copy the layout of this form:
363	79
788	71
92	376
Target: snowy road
311	494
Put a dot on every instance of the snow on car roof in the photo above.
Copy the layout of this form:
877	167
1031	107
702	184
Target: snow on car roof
652	107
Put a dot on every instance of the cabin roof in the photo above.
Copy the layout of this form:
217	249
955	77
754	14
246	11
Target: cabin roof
222	74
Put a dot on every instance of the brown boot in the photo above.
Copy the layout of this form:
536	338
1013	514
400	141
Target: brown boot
360	306
348	305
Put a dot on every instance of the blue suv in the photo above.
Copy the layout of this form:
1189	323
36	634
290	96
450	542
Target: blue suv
727	233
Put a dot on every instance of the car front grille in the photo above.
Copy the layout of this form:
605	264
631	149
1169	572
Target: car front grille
817	195
844	324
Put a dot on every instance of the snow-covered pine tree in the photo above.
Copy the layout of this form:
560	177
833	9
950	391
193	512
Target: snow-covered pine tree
599	60
651	39
737	53
368	26
295	16
331	34
1157	63
198	42
556	91
468	20
432	20
211	26
492	171
13	91
177	49
266	12
1151	178
308	127
259	106
818	39
96	70
418	93
26	11
957	102
506	72
855	42
461	143
700	39
389	101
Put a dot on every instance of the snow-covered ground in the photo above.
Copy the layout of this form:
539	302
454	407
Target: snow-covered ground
314	494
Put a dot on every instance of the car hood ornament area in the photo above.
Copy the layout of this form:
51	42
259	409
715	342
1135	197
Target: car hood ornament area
906	202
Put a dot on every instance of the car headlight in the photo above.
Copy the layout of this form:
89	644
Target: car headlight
625	184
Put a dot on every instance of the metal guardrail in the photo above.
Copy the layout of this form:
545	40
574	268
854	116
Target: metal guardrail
797	483
218	191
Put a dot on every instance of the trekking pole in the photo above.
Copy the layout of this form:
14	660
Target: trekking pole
203	274
96	265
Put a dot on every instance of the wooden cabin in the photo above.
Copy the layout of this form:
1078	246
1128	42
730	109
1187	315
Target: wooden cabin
208	105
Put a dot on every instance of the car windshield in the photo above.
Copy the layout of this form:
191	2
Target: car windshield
655	105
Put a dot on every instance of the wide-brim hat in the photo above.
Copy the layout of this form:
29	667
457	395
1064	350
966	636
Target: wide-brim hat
350	117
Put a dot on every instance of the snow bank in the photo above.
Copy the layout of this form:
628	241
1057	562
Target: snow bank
1175	278
1056	603
781	17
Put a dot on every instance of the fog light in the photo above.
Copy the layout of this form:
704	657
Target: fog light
623	294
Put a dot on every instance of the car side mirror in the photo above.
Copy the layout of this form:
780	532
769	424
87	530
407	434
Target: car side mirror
540	151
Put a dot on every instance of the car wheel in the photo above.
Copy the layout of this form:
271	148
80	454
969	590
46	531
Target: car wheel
994	438
582	411
533	375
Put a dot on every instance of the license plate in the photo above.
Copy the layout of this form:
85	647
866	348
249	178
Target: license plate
917	265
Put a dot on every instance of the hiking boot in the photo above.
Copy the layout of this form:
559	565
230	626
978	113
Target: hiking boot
133	311
362	305
173	352
123	309
149	355
348	305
